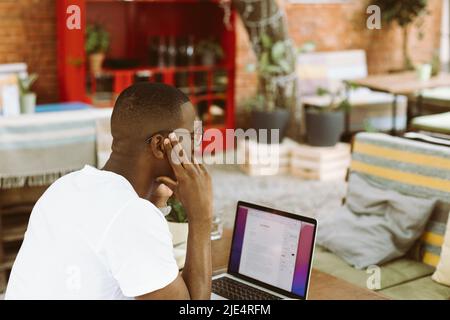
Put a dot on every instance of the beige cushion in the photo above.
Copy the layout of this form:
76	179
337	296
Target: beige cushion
442	273
392	273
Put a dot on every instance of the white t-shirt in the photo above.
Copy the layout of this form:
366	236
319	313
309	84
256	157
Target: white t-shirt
90	236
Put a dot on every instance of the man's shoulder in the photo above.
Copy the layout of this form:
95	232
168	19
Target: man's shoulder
136	207
137	219
91	182
90	199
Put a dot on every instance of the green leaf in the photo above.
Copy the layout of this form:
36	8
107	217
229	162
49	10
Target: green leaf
27	82
97	39
266	41
284	66
345	105
403	12
264	60
322	91
274	69
178	213
368	127
278	50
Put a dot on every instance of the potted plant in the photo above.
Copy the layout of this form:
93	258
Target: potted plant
27	97
325	124
179	228
404	13
209	51
267	111
97	43
177	220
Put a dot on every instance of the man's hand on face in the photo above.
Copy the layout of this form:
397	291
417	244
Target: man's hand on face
193	186
160	194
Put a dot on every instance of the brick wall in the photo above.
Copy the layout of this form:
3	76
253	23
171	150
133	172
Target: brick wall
342	26
28	34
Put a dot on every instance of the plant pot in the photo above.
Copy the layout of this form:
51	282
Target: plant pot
96	62
324	129
179	231
277	119
28	103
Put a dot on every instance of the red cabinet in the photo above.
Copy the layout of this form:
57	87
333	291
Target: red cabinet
134	27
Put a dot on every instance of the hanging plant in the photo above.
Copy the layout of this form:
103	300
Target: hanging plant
273	63
266	25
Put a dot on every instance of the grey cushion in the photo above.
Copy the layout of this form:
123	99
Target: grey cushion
375	225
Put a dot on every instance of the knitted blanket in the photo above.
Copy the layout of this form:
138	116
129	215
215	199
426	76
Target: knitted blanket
37	149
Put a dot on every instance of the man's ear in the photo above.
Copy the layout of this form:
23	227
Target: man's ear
157	147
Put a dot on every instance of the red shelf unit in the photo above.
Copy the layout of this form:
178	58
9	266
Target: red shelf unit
131	24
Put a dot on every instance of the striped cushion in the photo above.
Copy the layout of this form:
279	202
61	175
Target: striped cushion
410	167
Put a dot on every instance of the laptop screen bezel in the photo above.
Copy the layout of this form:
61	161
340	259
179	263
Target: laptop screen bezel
258	282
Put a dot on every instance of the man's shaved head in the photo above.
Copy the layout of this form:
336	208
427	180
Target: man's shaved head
144	109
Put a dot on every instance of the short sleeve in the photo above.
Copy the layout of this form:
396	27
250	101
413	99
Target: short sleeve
138	249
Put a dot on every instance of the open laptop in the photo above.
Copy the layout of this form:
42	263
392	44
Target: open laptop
271	256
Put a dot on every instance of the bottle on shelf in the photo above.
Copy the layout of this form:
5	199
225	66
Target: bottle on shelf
162	52
181	59
153	48
171	52
190	51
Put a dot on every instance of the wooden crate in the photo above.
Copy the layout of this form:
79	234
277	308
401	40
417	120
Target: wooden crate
320	163
290	157
262	159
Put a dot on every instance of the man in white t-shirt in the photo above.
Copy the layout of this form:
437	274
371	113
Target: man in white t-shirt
94	235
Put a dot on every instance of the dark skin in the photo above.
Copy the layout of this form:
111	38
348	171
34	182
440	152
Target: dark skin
155	172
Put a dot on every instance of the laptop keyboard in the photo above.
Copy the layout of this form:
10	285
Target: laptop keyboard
235	290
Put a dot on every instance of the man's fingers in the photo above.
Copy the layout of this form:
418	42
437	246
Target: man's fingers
197	164
168	182
202	167
189	167
178	150
175	163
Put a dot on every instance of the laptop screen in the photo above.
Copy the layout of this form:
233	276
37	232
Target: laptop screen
273	248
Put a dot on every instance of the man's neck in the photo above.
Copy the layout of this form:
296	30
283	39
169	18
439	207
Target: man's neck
138	176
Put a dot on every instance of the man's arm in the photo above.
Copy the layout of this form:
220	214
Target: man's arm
177	290
193	188
197	270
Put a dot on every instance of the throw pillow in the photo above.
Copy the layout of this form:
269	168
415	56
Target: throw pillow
375	225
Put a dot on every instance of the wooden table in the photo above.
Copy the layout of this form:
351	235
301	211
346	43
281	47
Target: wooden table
322	286
403	83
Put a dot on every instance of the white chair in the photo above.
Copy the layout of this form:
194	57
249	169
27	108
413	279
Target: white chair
328	70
